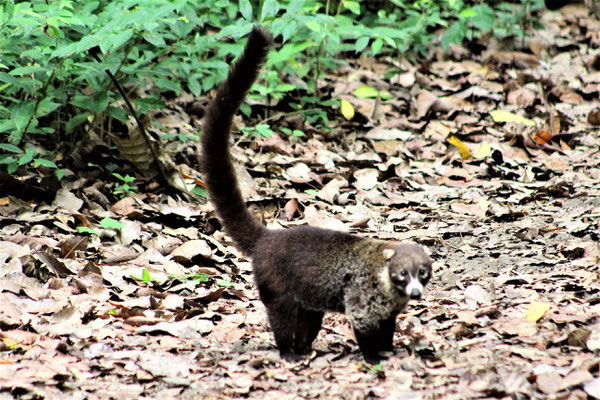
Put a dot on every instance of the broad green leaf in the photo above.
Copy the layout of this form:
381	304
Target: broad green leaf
85	229
347	109
44	163
7	159
109	223
376	46
365	92
10	147
353	6
294	7
505	116
21	114
468	13
269	10
200	191
27	157
485	19
226	283
361	44
454	34
313	26
385	95
246	9
154	38
46	106
145	275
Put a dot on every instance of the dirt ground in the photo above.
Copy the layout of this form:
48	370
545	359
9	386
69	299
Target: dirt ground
161	305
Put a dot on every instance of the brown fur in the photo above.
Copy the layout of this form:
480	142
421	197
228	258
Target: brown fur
304	271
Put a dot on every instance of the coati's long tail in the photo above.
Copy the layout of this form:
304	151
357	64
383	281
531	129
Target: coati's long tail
218	168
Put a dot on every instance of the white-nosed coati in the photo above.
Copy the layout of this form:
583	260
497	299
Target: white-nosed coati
304	271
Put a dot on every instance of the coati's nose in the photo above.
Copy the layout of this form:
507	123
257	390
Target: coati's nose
414	288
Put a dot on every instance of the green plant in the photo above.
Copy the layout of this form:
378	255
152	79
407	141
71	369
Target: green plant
88	230
226	283
54	92
125	189
199	277
258	130
109	223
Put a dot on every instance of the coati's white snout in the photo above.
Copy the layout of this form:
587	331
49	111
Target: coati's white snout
414	288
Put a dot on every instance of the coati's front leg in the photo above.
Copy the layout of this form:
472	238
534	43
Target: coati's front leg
372	342
307	329
373	326
387	329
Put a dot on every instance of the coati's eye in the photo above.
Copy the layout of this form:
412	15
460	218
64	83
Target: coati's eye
423	272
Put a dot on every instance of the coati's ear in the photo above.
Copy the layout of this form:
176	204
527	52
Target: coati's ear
388	253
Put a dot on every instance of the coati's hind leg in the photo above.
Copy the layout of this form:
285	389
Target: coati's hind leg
283	316
307	329
282	319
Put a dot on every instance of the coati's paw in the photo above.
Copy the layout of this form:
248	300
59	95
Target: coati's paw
292	357
375	359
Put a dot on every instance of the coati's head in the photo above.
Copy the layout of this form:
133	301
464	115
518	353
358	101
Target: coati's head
409	268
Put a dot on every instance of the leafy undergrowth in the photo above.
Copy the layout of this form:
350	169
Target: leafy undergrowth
143	296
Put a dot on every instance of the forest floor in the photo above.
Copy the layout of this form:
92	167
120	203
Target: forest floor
163	305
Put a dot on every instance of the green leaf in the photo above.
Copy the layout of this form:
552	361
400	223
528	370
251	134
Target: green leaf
145	275
385	95
21	115
467	13
109	223
88	230
10	147
295	7
46	106
98	103
27	157
485	19
44	163
269	10
154	39
297	133
225	283
200	191
365	92
361	44
376	46
246	9
353	6
313	26
454	34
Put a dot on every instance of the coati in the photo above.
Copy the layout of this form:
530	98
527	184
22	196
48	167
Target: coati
301	272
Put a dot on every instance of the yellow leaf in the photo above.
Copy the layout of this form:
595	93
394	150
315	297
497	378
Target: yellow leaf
536	311
463	150
347	110
483	150
505	116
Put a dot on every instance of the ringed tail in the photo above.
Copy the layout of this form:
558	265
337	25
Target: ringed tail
217	164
